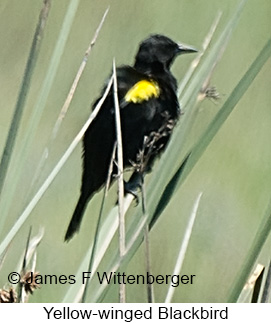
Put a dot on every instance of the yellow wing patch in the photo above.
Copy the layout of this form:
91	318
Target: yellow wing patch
142	91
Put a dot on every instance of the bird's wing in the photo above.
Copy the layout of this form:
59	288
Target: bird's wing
133	87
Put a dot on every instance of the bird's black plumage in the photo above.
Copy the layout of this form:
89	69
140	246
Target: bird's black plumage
149	110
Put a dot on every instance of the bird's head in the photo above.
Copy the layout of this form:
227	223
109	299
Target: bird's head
159	49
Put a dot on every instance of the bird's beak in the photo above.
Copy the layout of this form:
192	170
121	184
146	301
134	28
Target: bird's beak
183	49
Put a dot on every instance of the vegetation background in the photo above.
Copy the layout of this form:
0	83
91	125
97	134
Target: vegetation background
234	173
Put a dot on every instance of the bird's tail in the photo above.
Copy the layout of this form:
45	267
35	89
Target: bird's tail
76	217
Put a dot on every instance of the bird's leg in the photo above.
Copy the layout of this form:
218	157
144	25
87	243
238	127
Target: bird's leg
135	182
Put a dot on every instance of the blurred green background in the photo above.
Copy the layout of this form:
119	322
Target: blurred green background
234	174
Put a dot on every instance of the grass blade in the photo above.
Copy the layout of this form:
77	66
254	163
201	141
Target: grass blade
77	77
120	178
259	240
196	61
184	247
82	293
267	286
226	110
25	85
35	117
245	296
67	102
53	174
257	288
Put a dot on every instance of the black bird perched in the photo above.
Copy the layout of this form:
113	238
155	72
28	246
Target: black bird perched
149	110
